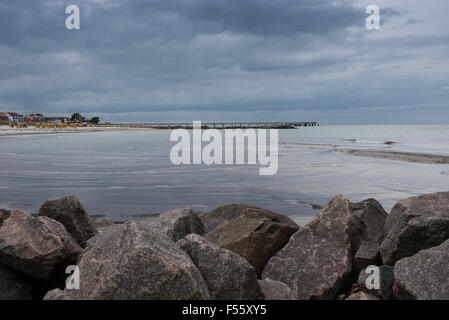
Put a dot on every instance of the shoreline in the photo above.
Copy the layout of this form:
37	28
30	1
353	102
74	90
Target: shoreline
411	157
5	131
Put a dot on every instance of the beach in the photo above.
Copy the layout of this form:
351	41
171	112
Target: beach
8	131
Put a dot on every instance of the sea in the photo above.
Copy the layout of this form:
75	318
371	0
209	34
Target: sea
128	174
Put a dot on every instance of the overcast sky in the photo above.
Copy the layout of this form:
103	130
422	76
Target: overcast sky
147	60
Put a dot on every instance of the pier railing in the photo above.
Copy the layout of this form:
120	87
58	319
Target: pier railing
220	125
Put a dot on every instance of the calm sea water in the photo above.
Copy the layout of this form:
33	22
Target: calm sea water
127	173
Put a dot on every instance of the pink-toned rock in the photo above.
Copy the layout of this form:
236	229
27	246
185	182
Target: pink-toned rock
317	261
34	245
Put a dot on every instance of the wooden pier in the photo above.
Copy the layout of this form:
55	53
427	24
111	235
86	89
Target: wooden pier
220	125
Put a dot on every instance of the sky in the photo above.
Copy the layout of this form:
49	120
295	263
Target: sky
260	60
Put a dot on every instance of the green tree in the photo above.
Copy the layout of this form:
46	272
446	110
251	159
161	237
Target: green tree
77	117
95	120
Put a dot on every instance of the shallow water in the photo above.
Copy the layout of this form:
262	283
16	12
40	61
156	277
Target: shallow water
126	173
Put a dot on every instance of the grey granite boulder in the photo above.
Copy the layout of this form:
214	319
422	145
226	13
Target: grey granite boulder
423	276
275	290
227	275
71	213
254	236
415	224
218	216
12	286
317	261
34	245
177	223
132	261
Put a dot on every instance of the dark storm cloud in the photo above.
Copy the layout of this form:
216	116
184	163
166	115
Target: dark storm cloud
281	17
170	59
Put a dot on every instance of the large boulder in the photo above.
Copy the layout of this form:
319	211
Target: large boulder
12	286
35	245
423	276
177	223
317	261
415	224
218	216
254	236
132	261
227	275
71	213
275	290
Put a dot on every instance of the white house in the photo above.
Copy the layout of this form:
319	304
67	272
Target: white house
16	117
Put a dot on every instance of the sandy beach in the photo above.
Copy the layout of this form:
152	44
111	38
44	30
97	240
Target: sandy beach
7	131
400	156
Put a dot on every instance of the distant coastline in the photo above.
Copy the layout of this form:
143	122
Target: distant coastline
6	131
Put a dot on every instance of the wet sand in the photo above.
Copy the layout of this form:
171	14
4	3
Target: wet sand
400	156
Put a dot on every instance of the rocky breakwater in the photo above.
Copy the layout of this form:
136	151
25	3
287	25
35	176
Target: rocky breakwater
410	247
233	252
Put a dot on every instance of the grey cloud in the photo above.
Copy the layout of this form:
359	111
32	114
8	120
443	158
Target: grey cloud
229	58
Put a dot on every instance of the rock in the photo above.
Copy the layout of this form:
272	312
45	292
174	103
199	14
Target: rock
35	245
132	261
56	294
12	287
71	213
386	282
386	274
367	255
254	236
317	261
423	276
362	295
415	224
218	216
275	290
177	223
373	217
4	214
227	275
